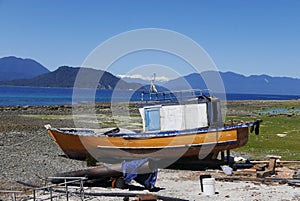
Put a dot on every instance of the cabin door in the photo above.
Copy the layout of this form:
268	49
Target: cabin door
152	119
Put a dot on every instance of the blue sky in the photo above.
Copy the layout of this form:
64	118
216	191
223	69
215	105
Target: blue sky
247	37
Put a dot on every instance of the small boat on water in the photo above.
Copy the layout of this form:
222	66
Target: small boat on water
176	127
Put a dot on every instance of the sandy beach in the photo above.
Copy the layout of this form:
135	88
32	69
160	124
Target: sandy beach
29	155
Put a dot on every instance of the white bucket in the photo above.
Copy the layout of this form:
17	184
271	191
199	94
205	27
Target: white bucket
209	186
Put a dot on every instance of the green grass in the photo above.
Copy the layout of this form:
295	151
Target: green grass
268	143
49	116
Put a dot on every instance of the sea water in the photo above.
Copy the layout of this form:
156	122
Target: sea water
41	96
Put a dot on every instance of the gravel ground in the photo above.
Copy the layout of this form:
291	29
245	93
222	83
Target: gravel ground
29	154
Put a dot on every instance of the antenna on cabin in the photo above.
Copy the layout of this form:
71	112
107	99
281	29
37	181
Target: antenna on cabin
152	86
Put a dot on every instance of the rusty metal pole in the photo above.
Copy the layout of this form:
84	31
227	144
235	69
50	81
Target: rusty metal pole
50	190
81	190
33	195
67	193
14	196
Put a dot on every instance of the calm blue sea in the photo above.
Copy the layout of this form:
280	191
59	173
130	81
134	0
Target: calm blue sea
33	96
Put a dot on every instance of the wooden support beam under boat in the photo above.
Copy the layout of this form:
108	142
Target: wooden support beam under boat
223	157
103	171
228	156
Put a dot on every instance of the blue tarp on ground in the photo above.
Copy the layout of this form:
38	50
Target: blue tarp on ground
130	172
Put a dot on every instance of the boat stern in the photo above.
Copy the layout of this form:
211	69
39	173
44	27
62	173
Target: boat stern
71	145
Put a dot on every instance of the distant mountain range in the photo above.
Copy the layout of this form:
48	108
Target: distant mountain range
65	77
240	84
12	68
27	72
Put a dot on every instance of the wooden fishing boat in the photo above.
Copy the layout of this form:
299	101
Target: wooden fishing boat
190	129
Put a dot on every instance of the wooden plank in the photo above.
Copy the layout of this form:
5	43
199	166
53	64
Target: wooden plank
278	161
147	197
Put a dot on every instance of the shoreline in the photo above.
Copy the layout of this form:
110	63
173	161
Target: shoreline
134	103
238	106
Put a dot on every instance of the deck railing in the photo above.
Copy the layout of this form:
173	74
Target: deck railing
173	96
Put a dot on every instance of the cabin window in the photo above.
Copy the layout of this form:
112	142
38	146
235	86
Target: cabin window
152	119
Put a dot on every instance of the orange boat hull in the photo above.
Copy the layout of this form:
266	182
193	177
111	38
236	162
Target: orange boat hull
115	149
